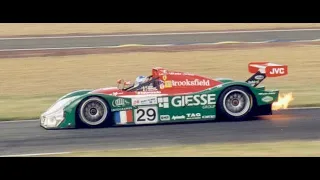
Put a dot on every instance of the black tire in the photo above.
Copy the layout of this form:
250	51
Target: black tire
93	112
232	99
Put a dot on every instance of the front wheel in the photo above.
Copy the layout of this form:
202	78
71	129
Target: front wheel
235	103
93	112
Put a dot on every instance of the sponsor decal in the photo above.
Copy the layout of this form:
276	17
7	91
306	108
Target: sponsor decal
267	93
117	93
259	77
135	102
120	102
175	73
193	115
267	99
144	101
195	82
277	71
150	92
207	101
164	117
163	102
208	107
253	82
123	117
193	100
180	74
148	101
165	84
178	117
121	109
120	105
208	116
188	74
151	88
168	84
164	77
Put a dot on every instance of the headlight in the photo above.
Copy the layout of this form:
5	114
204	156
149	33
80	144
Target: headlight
54	119
55	114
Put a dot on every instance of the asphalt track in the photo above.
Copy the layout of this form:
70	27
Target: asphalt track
27	137
89	41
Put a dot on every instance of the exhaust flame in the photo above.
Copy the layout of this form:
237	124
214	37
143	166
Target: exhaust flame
283	102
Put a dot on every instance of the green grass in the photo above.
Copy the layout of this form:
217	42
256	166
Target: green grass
23	107
29	86
269	149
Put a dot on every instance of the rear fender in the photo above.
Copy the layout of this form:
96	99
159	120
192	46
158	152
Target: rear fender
261	96
265	97
218	89
261	87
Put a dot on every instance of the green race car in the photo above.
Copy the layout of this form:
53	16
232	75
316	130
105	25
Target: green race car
166	97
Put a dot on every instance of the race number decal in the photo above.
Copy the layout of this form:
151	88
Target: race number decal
146	115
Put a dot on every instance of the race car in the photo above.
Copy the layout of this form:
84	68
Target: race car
167	96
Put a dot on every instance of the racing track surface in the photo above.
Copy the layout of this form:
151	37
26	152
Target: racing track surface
27	137
74	42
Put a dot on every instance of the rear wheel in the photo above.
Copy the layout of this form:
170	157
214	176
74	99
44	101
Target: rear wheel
235	103
93	112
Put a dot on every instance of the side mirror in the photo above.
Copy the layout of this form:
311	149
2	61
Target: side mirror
127	83
119	82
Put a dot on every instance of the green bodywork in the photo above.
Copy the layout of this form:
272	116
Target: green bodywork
190	112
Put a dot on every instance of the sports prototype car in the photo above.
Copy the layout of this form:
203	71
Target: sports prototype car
167	97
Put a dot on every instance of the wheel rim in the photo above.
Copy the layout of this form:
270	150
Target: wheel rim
236	102
93	111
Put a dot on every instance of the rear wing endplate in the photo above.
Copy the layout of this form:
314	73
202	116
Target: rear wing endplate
261	70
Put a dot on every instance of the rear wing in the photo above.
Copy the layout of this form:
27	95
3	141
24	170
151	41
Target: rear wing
261	70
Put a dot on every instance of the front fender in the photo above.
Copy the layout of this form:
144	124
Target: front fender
75	93
71	109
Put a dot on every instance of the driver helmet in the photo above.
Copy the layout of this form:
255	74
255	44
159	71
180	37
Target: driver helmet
140	80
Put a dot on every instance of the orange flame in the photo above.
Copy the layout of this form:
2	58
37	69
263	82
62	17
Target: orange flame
283	102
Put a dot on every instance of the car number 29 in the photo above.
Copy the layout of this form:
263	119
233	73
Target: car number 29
146	115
